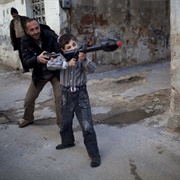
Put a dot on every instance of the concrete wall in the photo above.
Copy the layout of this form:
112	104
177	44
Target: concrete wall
142	26
174	119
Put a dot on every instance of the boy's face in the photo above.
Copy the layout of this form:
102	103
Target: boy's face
72	45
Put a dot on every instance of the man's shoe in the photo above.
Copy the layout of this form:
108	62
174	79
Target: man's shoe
24	123
62	146
96	161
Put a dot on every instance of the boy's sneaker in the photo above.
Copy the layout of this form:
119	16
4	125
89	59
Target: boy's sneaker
96	161
63	146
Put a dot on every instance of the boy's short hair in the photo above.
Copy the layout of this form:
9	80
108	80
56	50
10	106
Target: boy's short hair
65	38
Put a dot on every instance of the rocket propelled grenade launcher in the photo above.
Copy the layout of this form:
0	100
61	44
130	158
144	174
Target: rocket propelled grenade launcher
107	45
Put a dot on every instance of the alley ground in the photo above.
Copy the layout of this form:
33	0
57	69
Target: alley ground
130	112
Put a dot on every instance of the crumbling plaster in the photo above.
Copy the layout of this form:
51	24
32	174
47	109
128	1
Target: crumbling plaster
142	26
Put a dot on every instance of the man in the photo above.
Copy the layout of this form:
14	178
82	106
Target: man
34	44
17	31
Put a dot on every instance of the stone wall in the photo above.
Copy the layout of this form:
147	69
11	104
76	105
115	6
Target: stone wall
142	25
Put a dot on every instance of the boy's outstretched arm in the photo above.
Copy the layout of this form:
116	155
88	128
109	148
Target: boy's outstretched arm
89	65
57	63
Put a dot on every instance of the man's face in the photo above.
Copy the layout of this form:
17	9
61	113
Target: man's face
14	15
33	30
70	46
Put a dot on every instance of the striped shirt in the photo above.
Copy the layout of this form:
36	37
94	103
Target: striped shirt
72	76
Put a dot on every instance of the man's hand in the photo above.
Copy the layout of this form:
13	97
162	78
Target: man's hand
43	58
52	57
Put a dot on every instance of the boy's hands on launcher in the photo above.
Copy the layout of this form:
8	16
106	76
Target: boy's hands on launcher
82	56
73	61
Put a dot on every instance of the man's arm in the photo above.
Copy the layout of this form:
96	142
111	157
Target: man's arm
33	60
28	55
23	20
12	35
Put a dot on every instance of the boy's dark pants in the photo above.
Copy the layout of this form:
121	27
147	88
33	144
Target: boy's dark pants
78	103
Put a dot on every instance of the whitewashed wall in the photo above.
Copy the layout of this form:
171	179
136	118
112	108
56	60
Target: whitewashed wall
52	14
7	55
24	7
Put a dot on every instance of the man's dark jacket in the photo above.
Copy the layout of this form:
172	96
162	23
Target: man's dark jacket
12	31
30	51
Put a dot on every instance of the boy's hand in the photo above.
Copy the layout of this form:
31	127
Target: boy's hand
82	56
72	62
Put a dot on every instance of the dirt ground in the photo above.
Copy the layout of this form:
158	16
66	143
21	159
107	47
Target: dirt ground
106	93
108	106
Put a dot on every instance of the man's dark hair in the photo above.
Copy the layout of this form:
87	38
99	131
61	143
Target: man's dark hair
43	26
65	38
13	10
30	20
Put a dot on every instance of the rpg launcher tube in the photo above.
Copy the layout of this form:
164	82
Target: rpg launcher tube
107	45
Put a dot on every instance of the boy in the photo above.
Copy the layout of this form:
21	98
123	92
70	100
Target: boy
75	98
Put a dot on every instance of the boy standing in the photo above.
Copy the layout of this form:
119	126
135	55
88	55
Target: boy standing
75	98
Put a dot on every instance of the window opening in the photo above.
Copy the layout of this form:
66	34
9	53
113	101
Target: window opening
39	11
